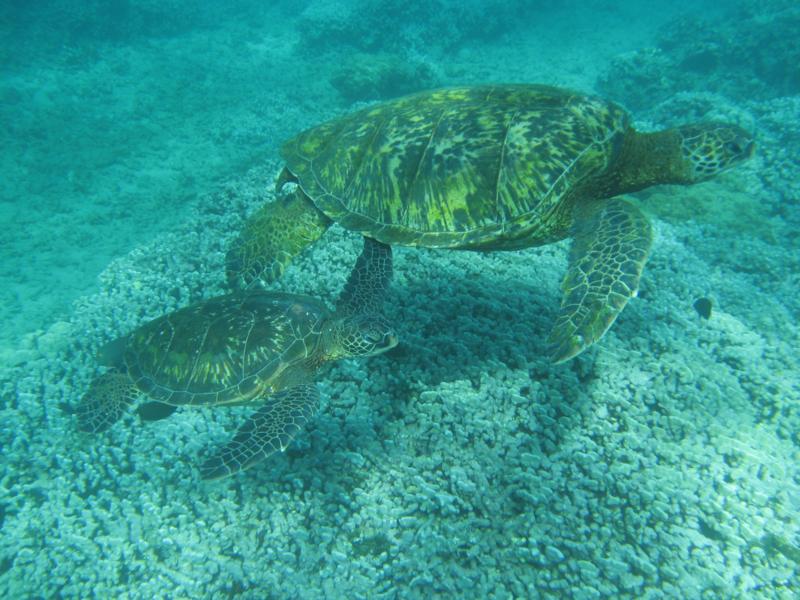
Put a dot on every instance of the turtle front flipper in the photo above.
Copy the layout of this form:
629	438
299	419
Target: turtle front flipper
368	282
611	242
271	238
268	430
106	400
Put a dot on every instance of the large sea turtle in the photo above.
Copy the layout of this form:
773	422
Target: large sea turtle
494	167
248	346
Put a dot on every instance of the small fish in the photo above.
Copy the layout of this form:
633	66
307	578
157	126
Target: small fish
703	307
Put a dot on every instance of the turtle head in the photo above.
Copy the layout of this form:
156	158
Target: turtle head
710	148
361	335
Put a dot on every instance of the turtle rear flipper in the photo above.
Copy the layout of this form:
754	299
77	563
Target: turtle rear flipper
107	399
611	242
268	430
271	238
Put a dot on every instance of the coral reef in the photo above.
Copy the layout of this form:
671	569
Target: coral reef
462	463
379	76
750	53
661	464
397	25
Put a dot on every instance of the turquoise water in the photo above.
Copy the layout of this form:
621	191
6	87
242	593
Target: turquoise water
661	463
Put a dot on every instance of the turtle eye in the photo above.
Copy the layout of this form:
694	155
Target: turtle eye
733	147
373	337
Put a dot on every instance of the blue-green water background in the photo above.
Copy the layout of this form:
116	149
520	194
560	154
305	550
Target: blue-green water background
136	136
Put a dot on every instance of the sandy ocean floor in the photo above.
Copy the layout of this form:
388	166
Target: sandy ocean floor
662	463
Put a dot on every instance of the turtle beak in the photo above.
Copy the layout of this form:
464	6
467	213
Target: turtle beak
750	148
389	341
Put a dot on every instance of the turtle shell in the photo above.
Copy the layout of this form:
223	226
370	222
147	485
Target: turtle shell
457	167
228	349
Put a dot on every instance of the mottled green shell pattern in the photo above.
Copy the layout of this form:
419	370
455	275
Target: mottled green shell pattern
458	167
229	349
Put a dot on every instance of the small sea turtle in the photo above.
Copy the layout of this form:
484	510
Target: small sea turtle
498	167
251	346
